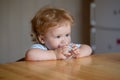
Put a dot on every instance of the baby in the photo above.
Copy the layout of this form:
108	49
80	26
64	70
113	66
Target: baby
51	32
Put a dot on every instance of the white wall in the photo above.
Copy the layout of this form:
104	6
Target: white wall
107	16
15	16
107	13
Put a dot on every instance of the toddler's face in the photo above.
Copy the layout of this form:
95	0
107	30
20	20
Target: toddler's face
58	36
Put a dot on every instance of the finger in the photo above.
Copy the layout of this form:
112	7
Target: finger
75	51
67	54
74	48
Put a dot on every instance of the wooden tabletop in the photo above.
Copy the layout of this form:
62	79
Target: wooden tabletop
95	67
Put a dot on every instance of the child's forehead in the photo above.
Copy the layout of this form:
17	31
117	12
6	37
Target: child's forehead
61	25
59	30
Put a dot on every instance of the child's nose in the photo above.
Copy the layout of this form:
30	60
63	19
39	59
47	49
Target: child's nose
63	43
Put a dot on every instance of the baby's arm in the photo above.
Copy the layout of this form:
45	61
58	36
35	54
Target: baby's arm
36	54
83	51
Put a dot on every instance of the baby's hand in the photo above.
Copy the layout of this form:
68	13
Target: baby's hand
75	50
62	52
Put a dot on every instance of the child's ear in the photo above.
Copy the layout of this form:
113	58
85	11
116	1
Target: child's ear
41	39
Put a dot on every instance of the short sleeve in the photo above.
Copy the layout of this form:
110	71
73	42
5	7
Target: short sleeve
40	46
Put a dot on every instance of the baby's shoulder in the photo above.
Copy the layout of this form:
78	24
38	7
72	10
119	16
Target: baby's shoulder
40	46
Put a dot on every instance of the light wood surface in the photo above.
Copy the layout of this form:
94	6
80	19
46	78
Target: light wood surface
95	67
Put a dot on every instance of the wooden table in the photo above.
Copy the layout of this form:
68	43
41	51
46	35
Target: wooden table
95	67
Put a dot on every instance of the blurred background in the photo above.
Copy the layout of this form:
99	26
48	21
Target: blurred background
97	23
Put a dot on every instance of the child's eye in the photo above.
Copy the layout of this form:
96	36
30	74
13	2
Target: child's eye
57	36
67	35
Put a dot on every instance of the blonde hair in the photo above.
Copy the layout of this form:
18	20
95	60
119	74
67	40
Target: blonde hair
46	18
